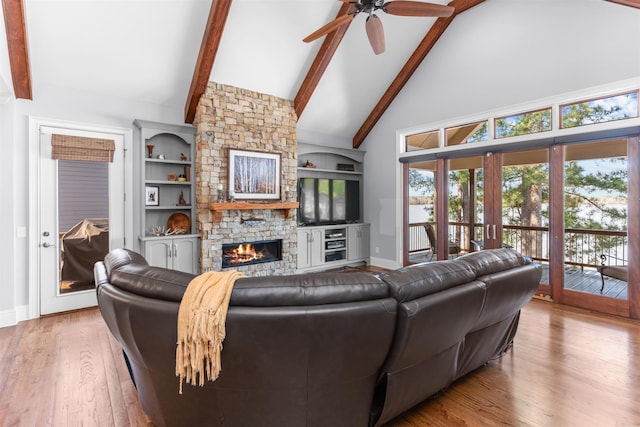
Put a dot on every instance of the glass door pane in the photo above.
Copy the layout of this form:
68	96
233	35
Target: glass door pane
525	205
595	217
83	222
420	212
464	209
466	195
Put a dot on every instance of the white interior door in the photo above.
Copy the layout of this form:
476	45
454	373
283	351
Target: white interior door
56	294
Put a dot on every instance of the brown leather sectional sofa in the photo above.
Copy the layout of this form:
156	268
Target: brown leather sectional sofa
319	349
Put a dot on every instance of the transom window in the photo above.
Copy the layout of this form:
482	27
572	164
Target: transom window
472	132
617	107
524	123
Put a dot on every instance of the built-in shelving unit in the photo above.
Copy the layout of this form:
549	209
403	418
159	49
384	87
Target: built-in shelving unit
329	161
166	154
331	246
316	170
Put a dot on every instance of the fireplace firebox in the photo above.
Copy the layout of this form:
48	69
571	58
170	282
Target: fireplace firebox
247	253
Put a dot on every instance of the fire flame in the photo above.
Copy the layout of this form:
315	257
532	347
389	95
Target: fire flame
244	253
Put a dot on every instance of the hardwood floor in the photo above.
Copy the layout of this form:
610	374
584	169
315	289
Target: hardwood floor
568	367
65	370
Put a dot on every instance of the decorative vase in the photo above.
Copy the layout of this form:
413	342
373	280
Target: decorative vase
150	150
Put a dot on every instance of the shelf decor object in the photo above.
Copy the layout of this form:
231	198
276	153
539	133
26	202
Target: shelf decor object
179	223
152	195
254	175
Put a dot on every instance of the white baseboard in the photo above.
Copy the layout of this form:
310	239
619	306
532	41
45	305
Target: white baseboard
8	318
12	317
22	313
384	263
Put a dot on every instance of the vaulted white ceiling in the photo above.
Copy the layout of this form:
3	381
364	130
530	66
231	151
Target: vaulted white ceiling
146	50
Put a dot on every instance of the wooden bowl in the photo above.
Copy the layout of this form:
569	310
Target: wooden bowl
179	223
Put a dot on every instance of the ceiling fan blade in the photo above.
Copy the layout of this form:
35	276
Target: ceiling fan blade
375	32
331	26
416	8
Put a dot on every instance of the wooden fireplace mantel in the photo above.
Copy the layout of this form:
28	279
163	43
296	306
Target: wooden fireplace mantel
218	208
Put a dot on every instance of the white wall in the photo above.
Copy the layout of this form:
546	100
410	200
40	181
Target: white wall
58	104
7	288
7	231
500	53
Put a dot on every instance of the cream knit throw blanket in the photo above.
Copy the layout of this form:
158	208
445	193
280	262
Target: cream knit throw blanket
201	326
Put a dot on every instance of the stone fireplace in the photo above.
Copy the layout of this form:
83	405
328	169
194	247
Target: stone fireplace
230	117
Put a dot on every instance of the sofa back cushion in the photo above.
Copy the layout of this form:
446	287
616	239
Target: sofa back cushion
151	282
129	271
307	289
419	280
121	256
507	292
492	260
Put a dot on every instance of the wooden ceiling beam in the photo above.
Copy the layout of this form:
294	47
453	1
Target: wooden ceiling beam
207	55
321	62
423	49
630	3
14	22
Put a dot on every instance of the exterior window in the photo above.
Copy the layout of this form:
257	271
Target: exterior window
422	141
617	107
524	124
473	132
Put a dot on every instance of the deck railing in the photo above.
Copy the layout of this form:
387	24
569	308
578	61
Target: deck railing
581	247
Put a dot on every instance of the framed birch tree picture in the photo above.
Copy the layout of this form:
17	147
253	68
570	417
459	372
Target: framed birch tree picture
254	175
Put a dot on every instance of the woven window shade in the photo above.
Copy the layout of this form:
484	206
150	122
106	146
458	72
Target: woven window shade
66	147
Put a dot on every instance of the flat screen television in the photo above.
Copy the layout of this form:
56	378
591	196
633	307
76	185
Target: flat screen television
326	201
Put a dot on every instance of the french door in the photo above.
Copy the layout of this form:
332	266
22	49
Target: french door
78	214
563	206
595	190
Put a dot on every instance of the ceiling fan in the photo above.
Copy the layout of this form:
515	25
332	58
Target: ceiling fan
373	26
